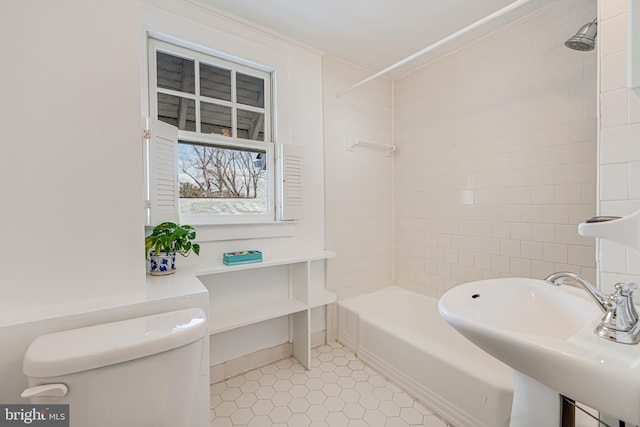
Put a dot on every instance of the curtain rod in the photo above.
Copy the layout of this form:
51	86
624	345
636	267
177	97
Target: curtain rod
508	8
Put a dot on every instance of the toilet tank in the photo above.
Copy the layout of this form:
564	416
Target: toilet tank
133	373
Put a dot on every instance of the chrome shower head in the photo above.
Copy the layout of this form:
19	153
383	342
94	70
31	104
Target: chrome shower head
585	38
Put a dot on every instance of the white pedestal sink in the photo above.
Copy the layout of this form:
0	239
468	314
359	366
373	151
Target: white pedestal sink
545	334
534	404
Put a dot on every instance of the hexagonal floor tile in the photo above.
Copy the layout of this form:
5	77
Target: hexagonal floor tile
338	391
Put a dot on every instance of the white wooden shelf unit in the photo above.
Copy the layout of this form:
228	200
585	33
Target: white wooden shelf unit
242	295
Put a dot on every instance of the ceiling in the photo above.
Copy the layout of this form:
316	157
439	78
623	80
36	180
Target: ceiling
375	34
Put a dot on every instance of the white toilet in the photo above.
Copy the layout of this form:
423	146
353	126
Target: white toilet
141	372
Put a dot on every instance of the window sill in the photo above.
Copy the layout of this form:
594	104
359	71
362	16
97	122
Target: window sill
262	230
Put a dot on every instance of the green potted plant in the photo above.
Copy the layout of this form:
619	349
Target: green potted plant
164	242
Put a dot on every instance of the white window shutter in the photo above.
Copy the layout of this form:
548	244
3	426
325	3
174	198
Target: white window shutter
162	172
291	187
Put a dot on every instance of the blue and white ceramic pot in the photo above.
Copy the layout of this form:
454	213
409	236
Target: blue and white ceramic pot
162	263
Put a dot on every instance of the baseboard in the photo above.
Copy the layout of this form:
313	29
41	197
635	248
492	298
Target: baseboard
232	368
258	359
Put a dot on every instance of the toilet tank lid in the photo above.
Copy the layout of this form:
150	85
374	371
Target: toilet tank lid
92	347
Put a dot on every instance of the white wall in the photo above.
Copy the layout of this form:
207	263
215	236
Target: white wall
71	186
70	155
359	204
619	165
71	159
496	161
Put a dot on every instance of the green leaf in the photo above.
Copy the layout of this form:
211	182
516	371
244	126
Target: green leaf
170	237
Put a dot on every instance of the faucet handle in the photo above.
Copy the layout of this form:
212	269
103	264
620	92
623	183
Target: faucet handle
620	322
625	289
621	313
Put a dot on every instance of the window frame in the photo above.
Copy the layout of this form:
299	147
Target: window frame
227	62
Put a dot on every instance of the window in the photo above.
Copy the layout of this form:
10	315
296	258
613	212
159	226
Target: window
223	114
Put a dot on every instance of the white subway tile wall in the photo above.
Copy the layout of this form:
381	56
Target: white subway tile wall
496	161
619	145
358	183
496	142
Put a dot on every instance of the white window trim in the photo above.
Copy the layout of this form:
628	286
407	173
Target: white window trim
279	222
218	60
165	44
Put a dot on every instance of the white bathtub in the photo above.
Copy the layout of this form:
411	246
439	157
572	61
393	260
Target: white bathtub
400	334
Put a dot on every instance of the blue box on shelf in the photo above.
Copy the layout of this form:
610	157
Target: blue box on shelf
241	257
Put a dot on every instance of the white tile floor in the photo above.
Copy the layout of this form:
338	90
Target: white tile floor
338	391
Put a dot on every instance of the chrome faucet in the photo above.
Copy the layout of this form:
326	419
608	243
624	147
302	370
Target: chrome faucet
620	321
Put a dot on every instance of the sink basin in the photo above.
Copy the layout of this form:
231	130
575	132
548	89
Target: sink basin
546	333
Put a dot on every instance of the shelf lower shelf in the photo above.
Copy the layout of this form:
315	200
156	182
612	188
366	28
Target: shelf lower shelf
221	321
322	297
